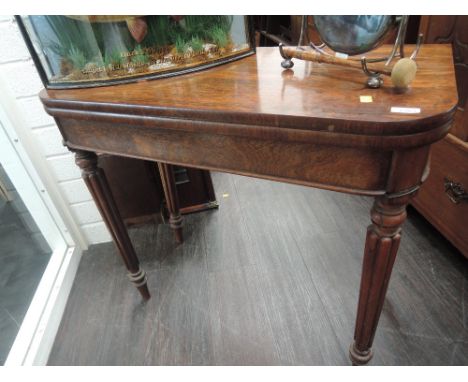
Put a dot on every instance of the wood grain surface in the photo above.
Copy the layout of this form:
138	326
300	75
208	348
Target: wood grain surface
448	161
271	278
257	87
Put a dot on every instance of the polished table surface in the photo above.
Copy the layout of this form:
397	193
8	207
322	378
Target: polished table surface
258	86
306	125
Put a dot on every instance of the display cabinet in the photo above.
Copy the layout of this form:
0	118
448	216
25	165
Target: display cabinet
86	51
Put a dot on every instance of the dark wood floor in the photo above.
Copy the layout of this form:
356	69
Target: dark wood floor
271	278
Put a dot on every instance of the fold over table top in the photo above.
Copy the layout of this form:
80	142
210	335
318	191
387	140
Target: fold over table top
256	92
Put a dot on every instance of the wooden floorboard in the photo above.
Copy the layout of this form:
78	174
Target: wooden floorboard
271	278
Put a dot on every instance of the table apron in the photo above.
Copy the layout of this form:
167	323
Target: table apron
352	170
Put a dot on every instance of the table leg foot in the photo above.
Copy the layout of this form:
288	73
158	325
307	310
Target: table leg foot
175	223
172	200
359	357
139	280
382	241
96	181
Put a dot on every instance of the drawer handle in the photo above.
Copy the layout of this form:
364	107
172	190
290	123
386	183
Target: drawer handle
455	191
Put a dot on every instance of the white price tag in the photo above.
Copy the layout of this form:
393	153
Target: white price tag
405	110
341	55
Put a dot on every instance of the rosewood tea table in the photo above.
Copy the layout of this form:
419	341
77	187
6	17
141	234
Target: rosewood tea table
315	125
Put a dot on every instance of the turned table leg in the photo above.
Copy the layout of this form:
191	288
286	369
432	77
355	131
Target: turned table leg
170	191
97	184
382	241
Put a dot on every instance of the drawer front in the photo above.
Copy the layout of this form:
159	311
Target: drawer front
449	163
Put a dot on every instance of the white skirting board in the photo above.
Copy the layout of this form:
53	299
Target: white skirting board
36	336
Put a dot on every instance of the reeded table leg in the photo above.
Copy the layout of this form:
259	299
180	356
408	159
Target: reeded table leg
170	191
382	241
97	184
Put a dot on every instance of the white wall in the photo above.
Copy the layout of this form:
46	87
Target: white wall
19	74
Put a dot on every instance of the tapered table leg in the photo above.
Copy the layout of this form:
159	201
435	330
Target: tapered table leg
170	191
382	241
97	184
